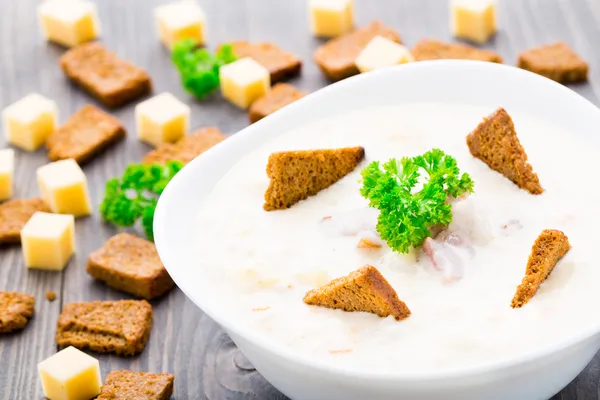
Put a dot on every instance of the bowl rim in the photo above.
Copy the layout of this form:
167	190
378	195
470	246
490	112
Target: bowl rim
179	182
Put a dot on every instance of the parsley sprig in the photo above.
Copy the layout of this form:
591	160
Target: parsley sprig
198	67
135	196
406	214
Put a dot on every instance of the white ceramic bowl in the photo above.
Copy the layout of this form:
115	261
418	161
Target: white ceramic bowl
536	375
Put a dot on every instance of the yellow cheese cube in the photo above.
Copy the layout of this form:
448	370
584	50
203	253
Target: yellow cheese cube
329	18
29	121
162	119
64	188
70	374
180	20
69	22
48	241
473	20
244	81
380	53
7	166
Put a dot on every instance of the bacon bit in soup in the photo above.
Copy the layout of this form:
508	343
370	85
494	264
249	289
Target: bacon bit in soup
261	309
340	351
326	218
366	243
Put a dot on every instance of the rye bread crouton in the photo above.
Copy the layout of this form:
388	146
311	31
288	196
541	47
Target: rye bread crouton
549	247
336	58
131	264
16	309
428	49
281	64
185	149
363	290
129	385
555	61
88	132
14	214
296	175
495	142
278	97
121	327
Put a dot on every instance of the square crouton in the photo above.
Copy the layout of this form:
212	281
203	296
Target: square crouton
131	264
278	97
121	327
129	385
88	132
556	61
428	49
14	215
281	64
16	309
185	149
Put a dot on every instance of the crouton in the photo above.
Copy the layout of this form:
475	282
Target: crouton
428	49
16	309
495	142
548	248
129	385
296	175
555	61
364	290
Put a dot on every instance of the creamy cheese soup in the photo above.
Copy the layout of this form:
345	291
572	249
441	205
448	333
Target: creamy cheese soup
260	264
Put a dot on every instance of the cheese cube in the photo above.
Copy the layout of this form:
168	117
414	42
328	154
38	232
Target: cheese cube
244	81
69	22
162	119
473	20
64	188
7	166
70	374
329	18
29	121
48	241
180	20
380	53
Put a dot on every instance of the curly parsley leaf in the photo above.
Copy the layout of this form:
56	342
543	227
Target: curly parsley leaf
407	214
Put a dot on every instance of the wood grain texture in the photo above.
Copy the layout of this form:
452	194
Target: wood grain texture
184	341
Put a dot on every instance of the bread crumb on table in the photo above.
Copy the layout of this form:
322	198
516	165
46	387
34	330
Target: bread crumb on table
50	296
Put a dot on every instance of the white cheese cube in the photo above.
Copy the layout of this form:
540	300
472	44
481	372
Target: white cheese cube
180	20
64	188
330	18
29	121
163	118
70	374
7	166
380	53
69	22
48	241
473	20
243	81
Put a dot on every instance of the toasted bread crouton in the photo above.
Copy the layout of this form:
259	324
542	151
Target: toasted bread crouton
556	61
16	309
548	248
364	290
429	49
495	142
296	175
185	149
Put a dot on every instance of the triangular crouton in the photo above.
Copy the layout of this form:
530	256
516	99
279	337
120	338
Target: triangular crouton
548	248
495	143
363	290
295	175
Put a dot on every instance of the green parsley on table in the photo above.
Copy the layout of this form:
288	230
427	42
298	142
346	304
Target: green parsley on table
135	195
198	67
408	205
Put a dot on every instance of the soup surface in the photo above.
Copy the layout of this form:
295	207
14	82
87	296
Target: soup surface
260	264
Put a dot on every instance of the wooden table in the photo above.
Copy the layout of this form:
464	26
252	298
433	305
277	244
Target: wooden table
184	341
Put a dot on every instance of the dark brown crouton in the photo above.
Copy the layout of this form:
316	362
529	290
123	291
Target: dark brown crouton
296	175
281	64
278	97
428	49
120	327
14	214
131	264
548	248
16	309
185	149
50	296
336	57
363	290
495	142
88	132
111	80
556	61
129	385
